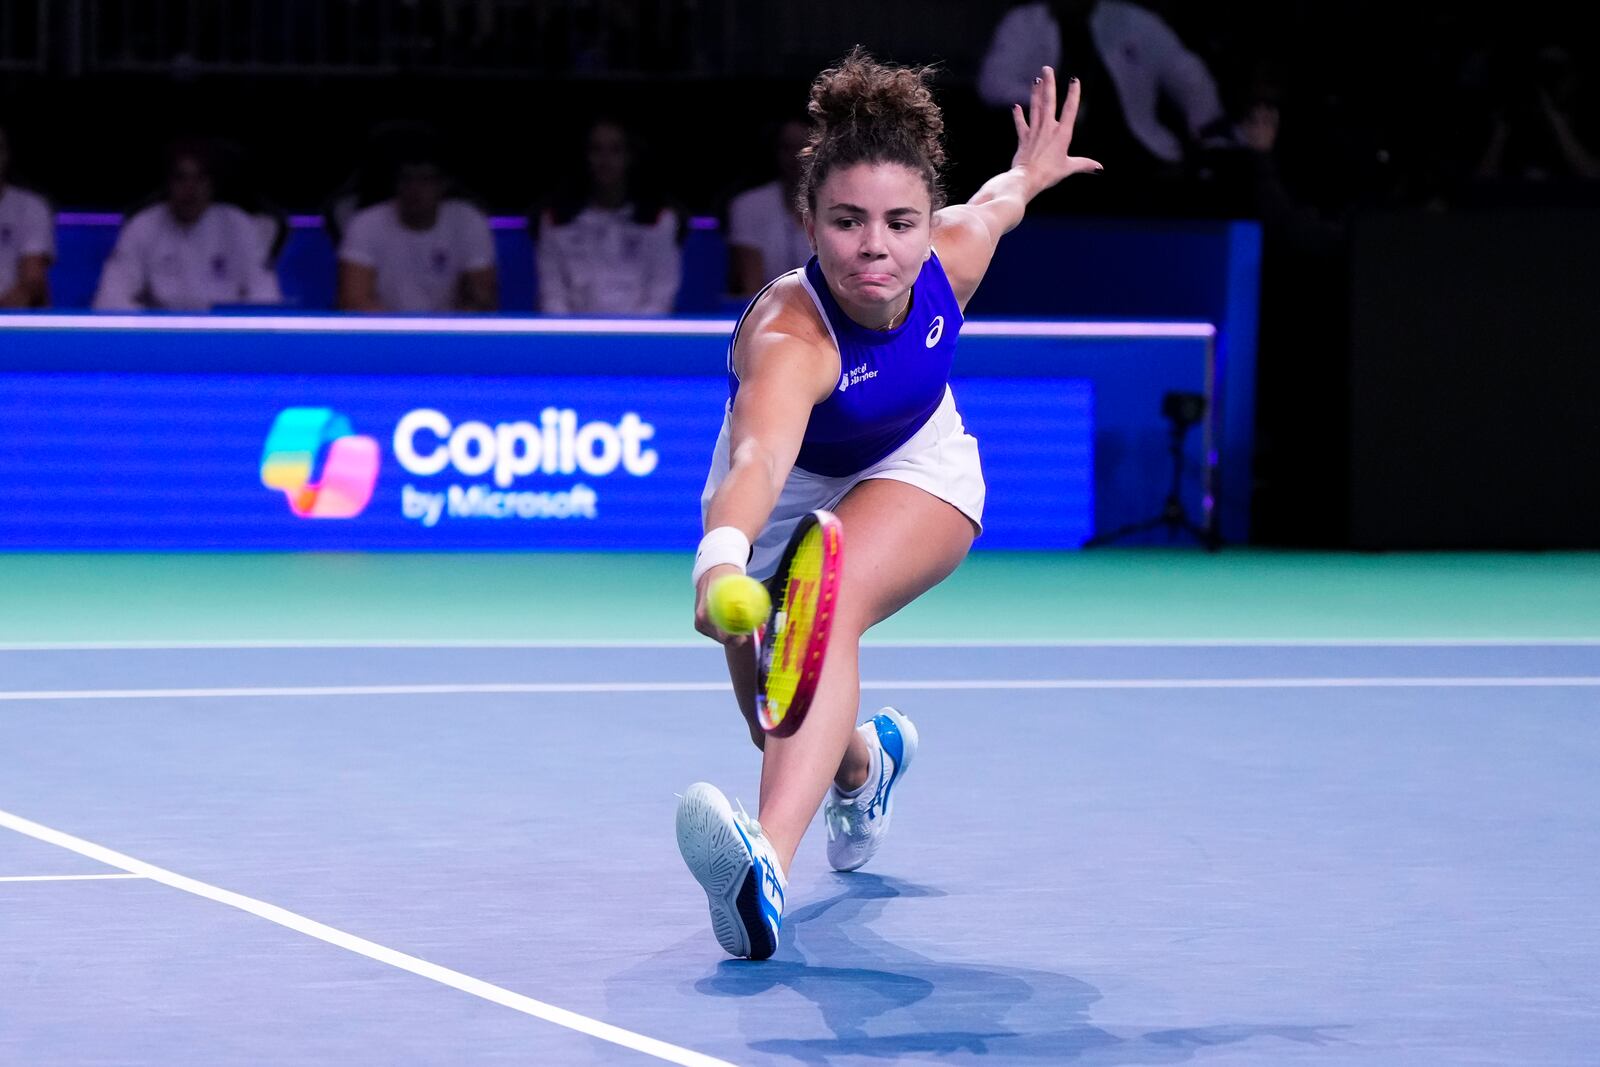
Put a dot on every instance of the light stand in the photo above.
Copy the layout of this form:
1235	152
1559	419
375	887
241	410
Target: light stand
1184	411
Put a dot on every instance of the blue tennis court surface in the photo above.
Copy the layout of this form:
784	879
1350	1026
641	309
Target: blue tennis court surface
1120	854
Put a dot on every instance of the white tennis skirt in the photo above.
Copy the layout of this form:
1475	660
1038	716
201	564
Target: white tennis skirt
941	459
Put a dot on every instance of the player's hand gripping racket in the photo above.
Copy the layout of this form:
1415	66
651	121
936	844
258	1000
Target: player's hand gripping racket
805	594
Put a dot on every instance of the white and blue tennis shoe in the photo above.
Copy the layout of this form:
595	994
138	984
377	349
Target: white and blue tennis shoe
735	864
857	824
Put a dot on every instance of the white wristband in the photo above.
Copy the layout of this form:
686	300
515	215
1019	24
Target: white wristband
725	544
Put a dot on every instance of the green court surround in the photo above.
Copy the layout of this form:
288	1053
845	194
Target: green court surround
1117	594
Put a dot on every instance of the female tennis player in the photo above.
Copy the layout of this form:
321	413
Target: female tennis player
840	399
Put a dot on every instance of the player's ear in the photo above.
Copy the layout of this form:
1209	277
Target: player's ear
811	231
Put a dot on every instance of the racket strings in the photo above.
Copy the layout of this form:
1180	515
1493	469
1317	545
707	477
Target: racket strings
795	622
790	657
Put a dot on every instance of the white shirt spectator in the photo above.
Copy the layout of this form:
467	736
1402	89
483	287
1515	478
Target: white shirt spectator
1144	57
26	229
419	270
604	263
160	263
761	219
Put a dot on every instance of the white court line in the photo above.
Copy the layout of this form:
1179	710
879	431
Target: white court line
1106	642
525	688
362	947
67	877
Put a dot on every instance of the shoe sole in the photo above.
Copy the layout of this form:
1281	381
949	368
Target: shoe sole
716	855
908	752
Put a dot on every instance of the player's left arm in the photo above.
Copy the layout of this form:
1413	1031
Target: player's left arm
966	235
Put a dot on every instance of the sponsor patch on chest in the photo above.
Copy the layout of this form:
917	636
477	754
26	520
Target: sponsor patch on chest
855	376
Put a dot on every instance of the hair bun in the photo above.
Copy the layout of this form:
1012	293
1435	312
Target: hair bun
861	92
866	111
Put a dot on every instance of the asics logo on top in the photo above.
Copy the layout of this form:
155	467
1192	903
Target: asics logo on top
935	331
770	888
879	794
307	442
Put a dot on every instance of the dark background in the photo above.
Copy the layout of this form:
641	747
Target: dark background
1428	336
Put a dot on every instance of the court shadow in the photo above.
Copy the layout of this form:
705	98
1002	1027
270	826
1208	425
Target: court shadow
1085	1046
885	1001
870	984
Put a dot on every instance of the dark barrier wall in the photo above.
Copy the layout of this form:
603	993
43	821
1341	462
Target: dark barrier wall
1476	381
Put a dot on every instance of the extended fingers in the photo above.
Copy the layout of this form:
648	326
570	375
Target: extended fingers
1069	110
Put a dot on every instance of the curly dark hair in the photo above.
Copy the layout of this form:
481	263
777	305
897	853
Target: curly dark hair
863	111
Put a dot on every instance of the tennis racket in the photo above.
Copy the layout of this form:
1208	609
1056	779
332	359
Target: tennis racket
805	594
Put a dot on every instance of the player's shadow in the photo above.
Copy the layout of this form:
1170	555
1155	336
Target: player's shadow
871	986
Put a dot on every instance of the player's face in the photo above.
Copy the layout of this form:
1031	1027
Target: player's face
872	231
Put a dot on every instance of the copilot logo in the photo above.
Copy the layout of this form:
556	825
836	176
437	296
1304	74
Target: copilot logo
319	462
429	445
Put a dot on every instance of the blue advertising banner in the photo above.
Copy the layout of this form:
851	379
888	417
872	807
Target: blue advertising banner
99	460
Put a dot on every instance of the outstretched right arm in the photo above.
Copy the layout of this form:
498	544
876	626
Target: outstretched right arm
783	374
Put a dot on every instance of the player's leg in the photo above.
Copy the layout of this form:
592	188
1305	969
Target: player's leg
852	768
900	541
742	671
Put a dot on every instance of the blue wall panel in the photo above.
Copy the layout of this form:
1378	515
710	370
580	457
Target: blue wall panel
154	461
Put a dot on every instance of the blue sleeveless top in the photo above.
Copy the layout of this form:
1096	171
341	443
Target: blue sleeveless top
890	381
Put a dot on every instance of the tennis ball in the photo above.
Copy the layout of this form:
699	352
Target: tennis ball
738	603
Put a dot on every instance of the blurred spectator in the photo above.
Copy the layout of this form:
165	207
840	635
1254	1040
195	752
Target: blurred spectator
372	181
1535	133
1245	180
1131	63
27	241
236	180
611	248
418	252
188	253
765	234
